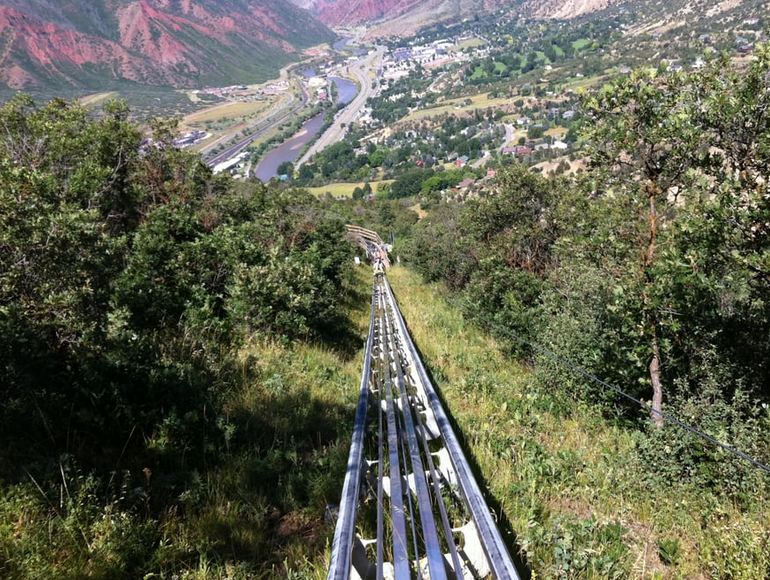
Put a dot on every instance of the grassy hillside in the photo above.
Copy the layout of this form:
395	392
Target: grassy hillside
175	361
567	484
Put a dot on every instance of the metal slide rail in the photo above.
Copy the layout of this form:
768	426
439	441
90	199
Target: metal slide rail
410	507
370	241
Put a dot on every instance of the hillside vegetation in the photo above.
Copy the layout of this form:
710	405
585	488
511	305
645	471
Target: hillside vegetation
171	344
650	271
179	353
574	491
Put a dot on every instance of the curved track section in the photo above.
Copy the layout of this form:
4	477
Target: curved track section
410	507
370	241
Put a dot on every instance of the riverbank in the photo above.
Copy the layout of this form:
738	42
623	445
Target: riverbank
291	149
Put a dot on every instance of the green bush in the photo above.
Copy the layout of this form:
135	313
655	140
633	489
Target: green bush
130	277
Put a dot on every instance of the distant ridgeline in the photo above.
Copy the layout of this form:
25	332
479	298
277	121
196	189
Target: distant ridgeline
103	44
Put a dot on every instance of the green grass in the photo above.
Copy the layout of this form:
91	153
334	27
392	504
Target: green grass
471	43
226	111
257	512
479	73
581	43
567	483
457	106
344	189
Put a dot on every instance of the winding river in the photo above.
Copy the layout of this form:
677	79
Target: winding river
291	149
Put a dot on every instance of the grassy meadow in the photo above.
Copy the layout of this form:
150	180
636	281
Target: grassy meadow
226	111
454	106
345	190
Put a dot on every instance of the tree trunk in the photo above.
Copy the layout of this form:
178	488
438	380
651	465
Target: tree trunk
657	385
650	315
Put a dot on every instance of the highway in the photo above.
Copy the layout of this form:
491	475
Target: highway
360	70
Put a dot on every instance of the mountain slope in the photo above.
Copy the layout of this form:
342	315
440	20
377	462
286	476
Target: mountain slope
414	12
406	16
181	43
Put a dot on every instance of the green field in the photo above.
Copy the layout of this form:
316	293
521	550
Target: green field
471	43
344	189
226	111
480	101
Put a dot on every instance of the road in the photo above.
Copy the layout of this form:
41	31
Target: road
292	107
510	131
360	70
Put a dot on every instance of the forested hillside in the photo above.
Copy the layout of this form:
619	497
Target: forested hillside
650	270
178	351
143	304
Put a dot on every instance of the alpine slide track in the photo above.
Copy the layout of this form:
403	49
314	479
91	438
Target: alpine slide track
410	507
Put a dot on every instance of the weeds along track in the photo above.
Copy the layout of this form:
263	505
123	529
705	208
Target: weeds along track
410	506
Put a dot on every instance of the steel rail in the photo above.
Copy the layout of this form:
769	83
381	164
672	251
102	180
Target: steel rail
432	544
492	541
380	488
342	546
400	551
410	497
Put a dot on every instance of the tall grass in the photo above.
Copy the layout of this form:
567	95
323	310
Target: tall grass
567	484
257	511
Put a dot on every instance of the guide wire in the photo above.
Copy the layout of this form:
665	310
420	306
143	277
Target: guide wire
665	416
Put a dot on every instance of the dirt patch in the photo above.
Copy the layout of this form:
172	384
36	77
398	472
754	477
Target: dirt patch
297	524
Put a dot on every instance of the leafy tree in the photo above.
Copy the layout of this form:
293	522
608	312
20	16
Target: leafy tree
127	275
286	168
644	142
535	132
409	183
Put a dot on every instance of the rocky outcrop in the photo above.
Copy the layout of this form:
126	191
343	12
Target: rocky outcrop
415	13
565	9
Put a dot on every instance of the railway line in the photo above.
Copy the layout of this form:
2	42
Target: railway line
411	507
259	129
